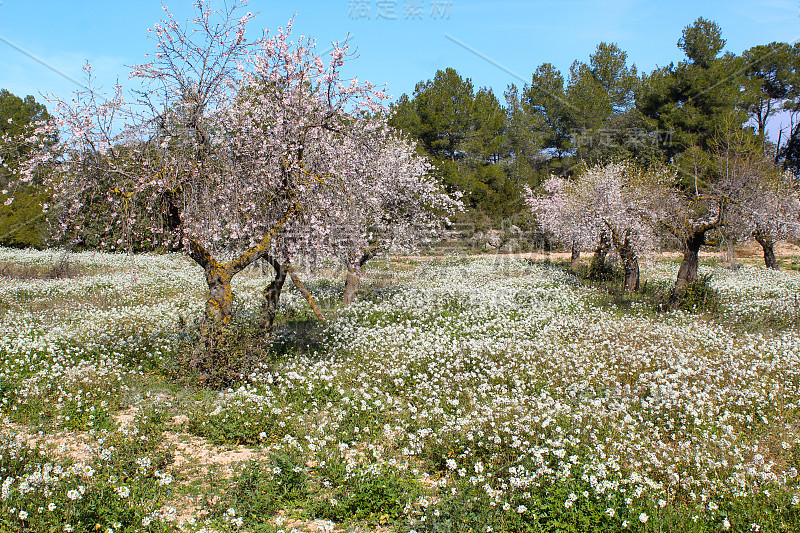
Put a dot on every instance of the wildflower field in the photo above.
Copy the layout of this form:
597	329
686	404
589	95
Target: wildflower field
460	394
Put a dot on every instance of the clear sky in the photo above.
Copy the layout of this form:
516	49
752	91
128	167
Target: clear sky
44	43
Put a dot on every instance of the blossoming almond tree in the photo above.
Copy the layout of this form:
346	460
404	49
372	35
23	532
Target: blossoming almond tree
773	214
397	205
605	204
229	146
407	208
556	214
766	204
729	189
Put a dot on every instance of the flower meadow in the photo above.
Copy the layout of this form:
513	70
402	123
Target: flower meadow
458	394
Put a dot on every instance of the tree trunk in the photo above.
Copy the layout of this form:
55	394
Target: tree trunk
306	294
769	250
730	253
598	266
272	293
630	264
354	277
687	273
575	257
350	287
219	305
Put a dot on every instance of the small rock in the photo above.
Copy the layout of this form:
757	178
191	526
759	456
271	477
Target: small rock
494	238
511	246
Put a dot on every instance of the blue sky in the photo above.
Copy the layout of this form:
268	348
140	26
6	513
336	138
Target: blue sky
399	42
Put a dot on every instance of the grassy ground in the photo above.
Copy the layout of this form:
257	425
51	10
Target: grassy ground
458	394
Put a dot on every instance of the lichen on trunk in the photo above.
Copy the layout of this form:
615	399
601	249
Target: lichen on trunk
219	305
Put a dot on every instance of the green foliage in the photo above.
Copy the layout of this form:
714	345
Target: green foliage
693	99
23	222
377	493
700	295
464	134
259	489
702	42
240	419
17	117
772	80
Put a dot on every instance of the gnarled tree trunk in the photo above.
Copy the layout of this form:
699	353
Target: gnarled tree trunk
630	264
354	276
575	256
272	293
219	305
768	245
350	287
687	273
598	266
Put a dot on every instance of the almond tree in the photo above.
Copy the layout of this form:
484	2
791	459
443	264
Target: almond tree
408	208
229	145
766	206
398	205
773	215
606	204
689	215
555	213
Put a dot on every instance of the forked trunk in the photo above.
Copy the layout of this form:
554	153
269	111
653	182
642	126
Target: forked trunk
769	250
687	273
219	305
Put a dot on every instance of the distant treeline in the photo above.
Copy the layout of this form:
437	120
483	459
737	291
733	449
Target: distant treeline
601	111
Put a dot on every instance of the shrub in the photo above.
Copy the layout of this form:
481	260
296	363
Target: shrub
700	295
220	355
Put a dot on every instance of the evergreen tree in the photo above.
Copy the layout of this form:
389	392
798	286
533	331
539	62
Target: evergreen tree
22	221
